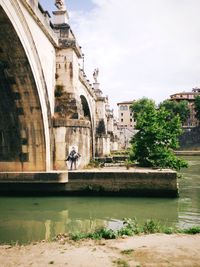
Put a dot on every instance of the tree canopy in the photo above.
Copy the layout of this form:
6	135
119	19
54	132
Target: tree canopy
177	108
157	137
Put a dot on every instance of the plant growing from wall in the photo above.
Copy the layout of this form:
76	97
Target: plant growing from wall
157	137
101	129
59	90
128	163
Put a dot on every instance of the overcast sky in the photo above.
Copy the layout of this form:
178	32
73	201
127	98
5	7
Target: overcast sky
142	47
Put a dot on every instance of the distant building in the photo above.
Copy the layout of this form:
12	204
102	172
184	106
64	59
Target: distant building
190	97
126	123
125	114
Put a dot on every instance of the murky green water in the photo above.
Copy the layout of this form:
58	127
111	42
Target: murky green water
36	218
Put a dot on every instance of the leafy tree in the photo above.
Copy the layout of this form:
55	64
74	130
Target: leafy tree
157	136
197	107
177	108
138	106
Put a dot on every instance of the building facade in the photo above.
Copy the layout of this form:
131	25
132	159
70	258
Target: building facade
190	97
125	115
126	123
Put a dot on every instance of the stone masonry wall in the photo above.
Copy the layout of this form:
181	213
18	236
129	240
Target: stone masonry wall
132	183
71	133
190	139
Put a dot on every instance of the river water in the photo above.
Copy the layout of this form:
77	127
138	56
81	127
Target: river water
28	219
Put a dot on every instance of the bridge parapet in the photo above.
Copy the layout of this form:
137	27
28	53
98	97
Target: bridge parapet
42	18
66	38
70	43
96	110
85	82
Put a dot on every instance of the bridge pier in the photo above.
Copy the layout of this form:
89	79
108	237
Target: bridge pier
47	104
71	132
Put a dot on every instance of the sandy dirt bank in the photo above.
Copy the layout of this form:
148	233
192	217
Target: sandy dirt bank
139	251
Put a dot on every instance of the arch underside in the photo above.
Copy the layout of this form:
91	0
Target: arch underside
22	143
85	108
87	116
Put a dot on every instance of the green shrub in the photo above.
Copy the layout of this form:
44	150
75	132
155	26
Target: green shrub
157	137
131	227
151	227
93	164
128	163
193	230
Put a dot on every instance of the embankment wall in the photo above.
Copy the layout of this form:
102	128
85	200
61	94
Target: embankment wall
162	183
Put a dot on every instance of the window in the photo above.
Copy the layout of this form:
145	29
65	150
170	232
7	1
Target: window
131	120
122	114
122	120
124	107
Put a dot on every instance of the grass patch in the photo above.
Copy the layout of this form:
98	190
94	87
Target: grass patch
121	263
192	231
127	251
152	227
93	164
97	235
130	228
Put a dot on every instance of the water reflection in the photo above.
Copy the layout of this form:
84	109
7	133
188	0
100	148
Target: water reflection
189	201
24	220
33	219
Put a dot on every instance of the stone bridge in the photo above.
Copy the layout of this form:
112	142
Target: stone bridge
47	104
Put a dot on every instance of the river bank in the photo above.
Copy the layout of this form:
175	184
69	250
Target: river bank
108	181
155	250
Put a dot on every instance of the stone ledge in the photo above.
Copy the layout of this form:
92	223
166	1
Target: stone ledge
70	43
110	182
187	153
58	122
33	177
143	182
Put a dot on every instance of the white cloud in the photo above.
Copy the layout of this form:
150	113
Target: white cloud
142	47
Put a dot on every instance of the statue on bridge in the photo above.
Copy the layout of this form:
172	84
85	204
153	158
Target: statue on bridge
95	75
60	4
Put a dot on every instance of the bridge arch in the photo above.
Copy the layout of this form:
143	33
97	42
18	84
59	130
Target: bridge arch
88	116
85	107
89	105
24	108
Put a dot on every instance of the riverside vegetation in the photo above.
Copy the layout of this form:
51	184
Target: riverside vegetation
130	228
158	129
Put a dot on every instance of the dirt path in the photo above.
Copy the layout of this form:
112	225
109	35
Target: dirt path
140	251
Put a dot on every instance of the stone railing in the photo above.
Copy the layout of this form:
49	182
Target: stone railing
42	18
70	43
83	79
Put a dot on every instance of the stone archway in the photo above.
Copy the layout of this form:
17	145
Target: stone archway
87	116
85	108
22	138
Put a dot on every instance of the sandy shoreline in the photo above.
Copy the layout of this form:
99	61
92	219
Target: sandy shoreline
158	250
